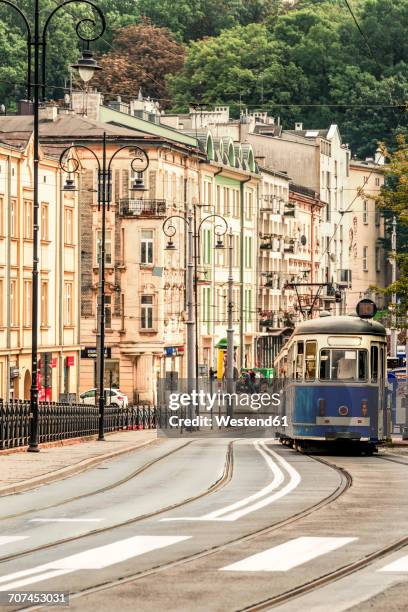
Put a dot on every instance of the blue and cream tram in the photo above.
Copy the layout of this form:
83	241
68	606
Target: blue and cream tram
335	382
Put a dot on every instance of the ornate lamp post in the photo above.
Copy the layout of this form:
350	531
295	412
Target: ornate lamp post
37	40
193	250
139	164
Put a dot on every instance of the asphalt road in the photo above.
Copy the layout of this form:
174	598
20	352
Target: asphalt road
215	525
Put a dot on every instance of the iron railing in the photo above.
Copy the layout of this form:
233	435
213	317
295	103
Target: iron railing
142	208
58	421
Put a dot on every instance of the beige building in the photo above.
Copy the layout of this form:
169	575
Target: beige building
59	271
368	263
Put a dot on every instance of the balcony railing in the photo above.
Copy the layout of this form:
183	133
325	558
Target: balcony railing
142	208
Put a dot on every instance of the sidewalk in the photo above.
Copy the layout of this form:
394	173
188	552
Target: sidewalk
21	471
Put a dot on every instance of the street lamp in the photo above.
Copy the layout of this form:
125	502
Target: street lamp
169	230
220	230
139	164
37	40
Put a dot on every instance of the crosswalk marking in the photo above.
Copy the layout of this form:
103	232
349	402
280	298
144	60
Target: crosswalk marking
10	539
400	565
92	559
288	555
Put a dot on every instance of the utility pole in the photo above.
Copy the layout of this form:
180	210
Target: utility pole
393	337
230	329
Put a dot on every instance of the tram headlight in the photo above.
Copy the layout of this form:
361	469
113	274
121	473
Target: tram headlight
364	408
322	407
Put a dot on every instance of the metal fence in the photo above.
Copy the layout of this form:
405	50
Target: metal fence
58	421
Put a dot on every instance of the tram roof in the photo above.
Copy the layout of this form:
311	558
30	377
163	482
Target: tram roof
341	325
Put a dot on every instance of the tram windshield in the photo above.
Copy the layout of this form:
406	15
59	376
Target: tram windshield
343	364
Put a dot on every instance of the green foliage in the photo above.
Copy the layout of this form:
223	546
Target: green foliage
310	64
393	199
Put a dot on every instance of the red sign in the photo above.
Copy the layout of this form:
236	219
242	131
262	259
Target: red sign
70	361
54	362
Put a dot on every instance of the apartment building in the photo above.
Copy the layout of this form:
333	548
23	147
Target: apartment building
368	264
59	348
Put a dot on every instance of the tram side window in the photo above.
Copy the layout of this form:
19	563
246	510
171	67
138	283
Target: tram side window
324	364
362	365
290	362
299	359
310	373
374	364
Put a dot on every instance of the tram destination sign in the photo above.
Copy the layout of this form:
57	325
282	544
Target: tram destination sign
366	309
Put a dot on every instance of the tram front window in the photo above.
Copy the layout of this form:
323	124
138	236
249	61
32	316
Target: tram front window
343	364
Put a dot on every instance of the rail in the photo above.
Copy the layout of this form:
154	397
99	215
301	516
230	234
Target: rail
142	208
59	421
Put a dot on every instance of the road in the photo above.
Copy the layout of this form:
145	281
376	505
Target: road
215	525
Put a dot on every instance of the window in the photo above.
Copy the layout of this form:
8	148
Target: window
69	227
28	219
299	359
13	219
310	373
108	311
218	200
1	216
248	305
377	259
374	363
248	251
44	222
343	364
377	181
206	308
365	212
226	201
1	303
44	304
235	203
377	216
69	304
27	302
146	312
365	259
146	247
13	303
207	246
108	246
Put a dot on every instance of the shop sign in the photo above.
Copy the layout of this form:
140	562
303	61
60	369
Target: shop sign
89	352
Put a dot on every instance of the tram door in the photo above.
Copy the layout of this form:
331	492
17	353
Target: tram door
377	378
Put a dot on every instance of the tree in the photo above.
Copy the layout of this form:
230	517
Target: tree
393	199
197	19
143	56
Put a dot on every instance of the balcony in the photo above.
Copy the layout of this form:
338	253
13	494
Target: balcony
142	208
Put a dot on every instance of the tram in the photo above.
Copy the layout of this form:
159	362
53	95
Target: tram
332	374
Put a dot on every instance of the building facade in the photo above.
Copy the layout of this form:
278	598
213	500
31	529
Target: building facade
59	348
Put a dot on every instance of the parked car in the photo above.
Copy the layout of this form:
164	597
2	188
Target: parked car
114	397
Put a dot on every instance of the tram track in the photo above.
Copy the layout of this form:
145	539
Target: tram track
328	578
221	482
104	489
344	484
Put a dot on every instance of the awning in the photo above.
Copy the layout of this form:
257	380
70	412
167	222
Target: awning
222	343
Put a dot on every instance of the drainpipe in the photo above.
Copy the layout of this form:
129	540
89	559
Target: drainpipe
241	274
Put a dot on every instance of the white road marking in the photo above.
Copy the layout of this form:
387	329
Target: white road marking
400	565
66	520
288	555
246	507
92	559
10	539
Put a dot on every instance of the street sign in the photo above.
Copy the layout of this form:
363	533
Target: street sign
89	352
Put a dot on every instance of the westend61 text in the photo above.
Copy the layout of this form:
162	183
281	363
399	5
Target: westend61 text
227	421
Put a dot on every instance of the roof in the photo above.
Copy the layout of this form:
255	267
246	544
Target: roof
112	116
309	133
341	325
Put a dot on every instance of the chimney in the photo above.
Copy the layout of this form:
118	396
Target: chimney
87	103
48	112
298	127
25	107
379	157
